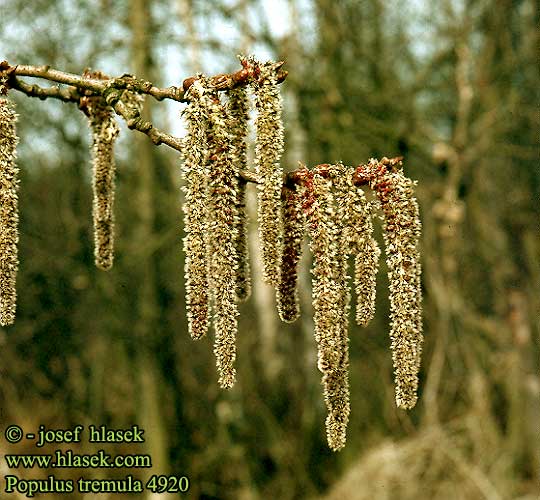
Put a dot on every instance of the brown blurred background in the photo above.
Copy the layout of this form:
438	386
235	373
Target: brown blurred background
453	86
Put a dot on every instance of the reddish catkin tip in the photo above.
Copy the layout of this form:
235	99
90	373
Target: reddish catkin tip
9	212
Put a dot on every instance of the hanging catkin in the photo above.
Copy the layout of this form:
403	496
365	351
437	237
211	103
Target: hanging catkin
104	133
402	233
238	106
9	214
330	304
195	174
268	150
223	223
357	218
293	234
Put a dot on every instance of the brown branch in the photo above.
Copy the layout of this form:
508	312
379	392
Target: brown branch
69	94
112	88
249	71
95	85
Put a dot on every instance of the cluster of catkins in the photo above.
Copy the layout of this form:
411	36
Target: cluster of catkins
104	133
328	205
325	203
215	151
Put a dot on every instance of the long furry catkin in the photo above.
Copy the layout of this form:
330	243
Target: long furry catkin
402	233
195	172
9	214
268	150
104	133
223	223
293	235
330	304
238	107
356	215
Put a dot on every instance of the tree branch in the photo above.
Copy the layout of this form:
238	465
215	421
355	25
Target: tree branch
227	81
111	90
64	94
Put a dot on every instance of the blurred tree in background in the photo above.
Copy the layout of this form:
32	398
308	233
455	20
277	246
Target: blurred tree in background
452	86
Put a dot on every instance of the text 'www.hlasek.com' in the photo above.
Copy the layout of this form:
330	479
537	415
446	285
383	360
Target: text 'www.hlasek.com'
86	468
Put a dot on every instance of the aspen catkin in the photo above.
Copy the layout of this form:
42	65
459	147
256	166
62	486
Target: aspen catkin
9	215
330	304
402	233
357	217
293	235
238	113
195	207
268	150
222	196
104	133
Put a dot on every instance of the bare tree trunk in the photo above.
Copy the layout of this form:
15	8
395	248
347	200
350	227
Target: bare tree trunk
147	372
192	41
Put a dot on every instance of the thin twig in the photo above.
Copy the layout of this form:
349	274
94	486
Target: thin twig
220	82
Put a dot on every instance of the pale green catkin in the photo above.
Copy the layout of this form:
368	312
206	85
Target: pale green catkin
331	306
238	107
293	234
196	226
105	130
223	223
9	213
268	150
357	216
402	233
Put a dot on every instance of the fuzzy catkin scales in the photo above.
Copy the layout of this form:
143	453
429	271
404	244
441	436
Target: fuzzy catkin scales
402	229
268	150
211	172
195	207
9	214
238	107
358	226
331	305
104	133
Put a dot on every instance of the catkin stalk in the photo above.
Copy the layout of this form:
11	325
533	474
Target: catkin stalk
9	214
